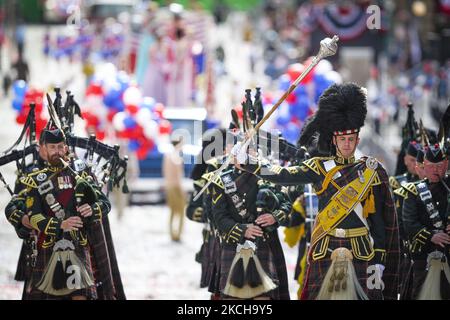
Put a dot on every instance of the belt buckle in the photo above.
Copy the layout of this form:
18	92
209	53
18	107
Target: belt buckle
340	233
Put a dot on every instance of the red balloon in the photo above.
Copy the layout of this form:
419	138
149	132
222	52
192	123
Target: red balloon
132	109
94	89
111	114
291	98
142	152
296	69
165	127
100	135
21	118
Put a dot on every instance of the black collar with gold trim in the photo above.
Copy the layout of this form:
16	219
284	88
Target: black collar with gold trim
342	160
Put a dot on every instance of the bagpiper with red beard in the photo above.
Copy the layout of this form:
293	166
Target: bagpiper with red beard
62	202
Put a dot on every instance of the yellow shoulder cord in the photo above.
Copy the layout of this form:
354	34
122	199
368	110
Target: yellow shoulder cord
329	178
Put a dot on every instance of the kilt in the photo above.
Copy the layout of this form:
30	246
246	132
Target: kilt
22	272
405	277
213	275
43	258
318	269
120	293
207	254
269	263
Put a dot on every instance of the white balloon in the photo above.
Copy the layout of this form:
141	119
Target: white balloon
334	77
150	129
143	116
118	119
323	67
132	96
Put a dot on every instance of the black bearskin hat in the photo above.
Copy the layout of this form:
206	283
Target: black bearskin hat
341	110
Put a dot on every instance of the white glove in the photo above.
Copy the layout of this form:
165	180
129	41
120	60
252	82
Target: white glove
240	153
236	149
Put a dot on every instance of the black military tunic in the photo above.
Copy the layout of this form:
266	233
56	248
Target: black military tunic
233	209
15	211
400	185
51	192
420	229
381	230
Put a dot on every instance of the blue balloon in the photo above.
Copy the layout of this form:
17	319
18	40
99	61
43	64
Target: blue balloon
20	88
283	120
300	91
291	132
17	103
129	123
285	82
133	145
111	97
300	109
119	105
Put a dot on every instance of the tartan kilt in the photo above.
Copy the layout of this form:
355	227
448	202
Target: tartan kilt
265	256
43	258
214	257
117	279
405	277
207	255
22	271
318	269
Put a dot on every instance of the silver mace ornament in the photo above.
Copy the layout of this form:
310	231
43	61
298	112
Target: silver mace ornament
328	47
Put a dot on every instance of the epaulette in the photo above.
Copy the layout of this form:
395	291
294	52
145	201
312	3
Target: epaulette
200	182
218	181
394	183
376	180
312	164
402	192
411	187
213	162
265	183
35	178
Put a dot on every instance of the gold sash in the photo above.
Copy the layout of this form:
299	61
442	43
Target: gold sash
343	202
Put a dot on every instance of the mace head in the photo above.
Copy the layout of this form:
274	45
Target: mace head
328	47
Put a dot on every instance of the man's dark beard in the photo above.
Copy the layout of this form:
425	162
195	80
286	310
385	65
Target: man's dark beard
54	161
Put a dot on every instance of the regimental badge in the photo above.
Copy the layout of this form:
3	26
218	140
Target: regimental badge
371	163
29	202
79	165
50	199
41	177
226	179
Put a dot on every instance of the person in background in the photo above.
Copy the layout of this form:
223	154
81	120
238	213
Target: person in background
173	172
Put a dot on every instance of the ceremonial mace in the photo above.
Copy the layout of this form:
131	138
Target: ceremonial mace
328	47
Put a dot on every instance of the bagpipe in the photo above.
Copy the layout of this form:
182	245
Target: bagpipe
103	160
268	144
328	47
